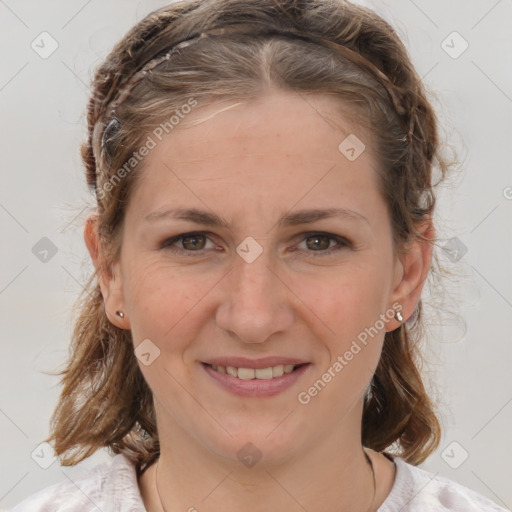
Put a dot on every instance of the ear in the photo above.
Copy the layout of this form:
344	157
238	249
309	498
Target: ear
411	271
109	278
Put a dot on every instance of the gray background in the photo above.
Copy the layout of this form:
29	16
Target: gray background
43	194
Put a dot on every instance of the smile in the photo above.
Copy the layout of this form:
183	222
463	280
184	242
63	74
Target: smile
256	373
255	382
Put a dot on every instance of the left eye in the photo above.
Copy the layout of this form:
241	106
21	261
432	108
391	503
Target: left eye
322	241
316	243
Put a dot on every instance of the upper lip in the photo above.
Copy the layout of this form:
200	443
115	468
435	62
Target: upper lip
264	362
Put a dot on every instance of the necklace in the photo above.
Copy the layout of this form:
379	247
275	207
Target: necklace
365	454
373	477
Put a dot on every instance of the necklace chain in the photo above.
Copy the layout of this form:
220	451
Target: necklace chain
373	478
365	454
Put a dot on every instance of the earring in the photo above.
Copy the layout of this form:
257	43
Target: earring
120	313
399	316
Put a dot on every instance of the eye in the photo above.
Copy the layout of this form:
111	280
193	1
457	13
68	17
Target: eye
320	243
190	242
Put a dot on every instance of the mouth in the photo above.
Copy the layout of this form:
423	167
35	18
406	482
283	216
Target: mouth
265	381
270	372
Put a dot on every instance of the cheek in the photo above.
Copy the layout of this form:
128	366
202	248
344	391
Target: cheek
160	297
349	305
347	297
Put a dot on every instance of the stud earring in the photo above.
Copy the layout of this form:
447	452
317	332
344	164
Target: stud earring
120	314
399	316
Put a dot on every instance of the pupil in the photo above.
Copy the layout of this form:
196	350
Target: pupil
316	238
194	245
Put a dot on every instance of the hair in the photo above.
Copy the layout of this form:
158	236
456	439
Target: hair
328	47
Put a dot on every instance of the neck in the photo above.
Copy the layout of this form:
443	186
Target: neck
332	474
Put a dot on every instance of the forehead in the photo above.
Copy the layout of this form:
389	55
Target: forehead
281	147
309	124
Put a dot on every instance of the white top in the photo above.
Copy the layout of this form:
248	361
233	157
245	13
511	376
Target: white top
112	487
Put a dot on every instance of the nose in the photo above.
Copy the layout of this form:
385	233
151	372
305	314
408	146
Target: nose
255	301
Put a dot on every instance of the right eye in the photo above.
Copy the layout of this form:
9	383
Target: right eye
191	243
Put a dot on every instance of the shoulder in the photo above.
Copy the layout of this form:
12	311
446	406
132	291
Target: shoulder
416	490
105	487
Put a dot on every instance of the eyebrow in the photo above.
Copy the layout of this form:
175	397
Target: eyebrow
296	218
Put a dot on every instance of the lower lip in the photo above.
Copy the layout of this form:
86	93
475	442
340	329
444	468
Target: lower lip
256	387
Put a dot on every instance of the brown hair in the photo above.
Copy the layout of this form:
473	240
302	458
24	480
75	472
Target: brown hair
304	46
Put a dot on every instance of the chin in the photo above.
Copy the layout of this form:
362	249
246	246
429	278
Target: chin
265	445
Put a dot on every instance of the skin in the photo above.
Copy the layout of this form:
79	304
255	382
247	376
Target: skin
250	164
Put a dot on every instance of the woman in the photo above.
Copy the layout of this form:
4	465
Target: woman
264	182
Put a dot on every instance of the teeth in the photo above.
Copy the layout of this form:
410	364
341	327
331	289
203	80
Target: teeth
262	373
277	371
246	373
232	371
259	373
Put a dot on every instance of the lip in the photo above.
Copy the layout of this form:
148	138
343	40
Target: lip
256	387
244	362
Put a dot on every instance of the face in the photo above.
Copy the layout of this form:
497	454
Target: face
265	286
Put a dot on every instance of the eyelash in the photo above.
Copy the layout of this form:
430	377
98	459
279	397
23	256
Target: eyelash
342	243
